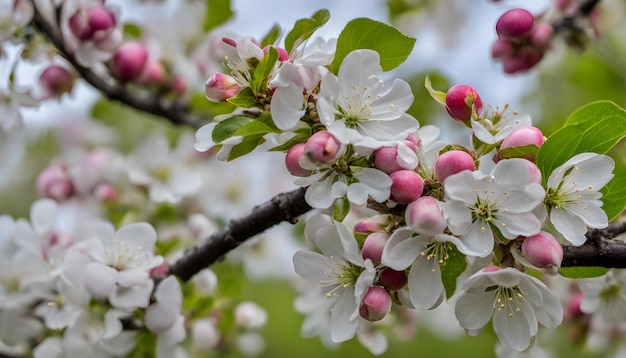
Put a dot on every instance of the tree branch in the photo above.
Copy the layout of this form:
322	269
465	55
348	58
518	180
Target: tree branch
599	250
568	22
283	207
175	111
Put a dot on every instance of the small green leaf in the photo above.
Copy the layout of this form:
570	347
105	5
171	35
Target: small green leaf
132	30
245	147
582	271
263	69
244	99
362	33
595	127
304	28
217	13
341	208
451	269
227	128
254	128
272	36
301	136
438	96
526	151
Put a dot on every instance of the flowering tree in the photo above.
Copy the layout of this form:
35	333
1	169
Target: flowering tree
501	227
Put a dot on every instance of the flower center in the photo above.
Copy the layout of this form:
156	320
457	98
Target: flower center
484	209
507	299
341	277
437	251
357	106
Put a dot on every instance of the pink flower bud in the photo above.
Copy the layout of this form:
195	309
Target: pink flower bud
406	186
92	23
106	192
425	216
292	161
573	306
459	101
391	279
523	136
283	55
129	61
541	36
322	147
452	162
522	61
153	74
370	225
376	304
162	270
387	160
501	49
515	23
220	87
374	245
543	250
55	81
54	182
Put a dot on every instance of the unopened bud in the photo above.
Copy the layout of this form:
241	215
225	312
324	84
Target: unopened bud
376	304
56	80
388	159
543	250
323	147
292	161
519	137
220	87
452	162
129	61
406	186
425	216
515	23
374	245
541	36
391	279
502	49
54	182
459	101
92	23
573	305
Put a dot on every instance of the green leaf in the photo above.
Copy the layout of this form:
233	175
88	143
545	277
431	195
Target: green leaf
263	69
304	28
438	96
451	269
341	208
245	147
227	128
132	30
362	33
582	272
217	13
526	151
301	136
271	37
254	128
595	127
244	99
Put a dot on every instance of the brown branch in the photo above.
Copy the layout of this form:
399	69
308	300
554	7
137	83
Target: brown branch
283	207
599	250
176	112
568	22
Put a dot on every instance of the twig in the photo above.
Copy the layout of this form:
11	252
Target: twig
599	250
283	207
568	22
176	112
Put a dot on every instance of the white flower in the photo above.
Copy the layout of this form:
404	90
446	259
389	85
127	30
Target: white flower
477	205
168	175
359	108
491	133
301	75
331	182
425	254
116	264
342	273
573	196
605	296
250	315
517	302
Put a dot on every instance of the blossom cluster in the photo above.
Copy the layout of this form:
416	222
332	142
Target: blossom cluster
444	215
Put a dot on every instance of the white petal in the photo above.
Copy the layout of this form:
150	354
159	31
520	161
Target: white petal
132	297
311	265
511	226
571	227
401	249
319	195
358	194
204	137
590	213
515	331
43	215
99	279
473	311
140	235
287	106
341	327
425	285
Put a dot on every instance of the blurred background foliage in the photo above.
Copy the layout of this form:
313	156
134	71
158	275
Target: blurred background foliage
562	82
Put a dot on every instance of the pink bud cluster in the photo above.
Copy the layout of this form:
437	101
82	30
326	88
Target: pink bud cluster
521	41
